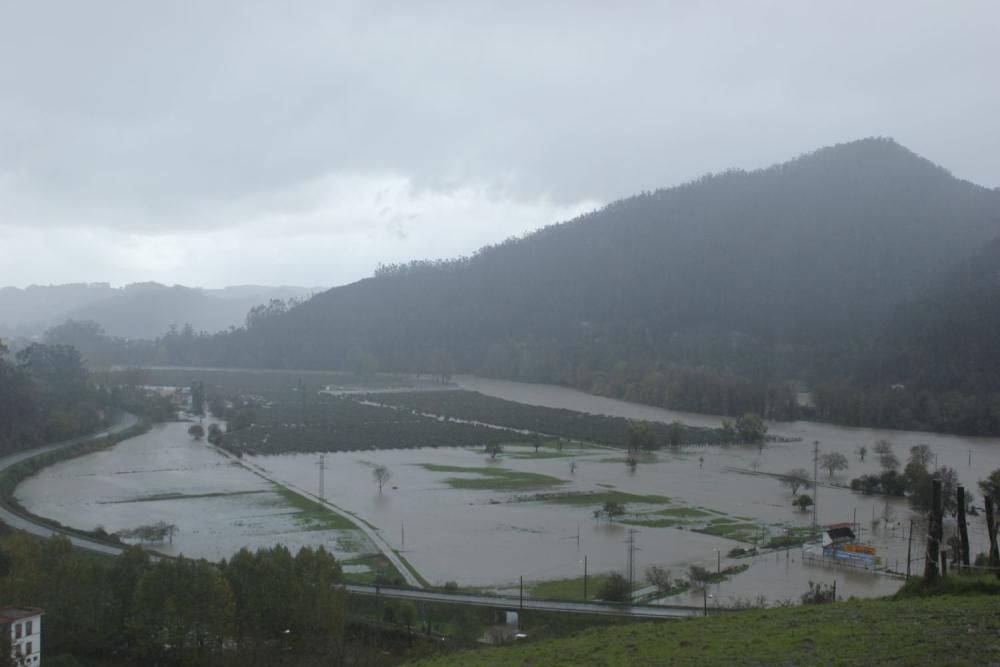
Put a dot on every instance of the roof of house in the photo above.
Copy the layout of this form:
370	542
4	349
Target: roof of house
840	533
11	614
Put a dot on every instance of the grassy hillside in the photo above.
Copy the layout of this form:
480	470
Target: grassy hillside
942	630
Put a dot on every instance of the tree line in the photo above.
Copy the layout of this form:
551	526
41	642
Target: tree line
256	608
45	396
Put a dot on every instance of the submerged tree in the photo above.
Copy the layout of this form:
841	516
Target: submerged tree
795	479
833	461
381	475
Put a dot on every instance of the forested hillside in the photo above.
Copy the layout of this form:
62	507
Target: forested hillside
720	295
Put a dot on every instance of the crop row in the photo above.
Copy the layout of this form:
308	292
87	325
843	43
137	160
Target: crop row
337	424
557	422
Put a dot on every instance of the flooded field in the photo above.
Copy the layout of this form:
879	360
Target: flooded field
491	537
457	514
164	475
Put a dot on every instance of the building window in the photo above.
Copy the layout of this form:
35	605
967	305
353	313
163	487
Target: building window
17	631
27	648
28	630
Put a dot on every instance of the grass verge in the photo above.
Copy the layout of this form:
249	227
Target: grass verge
311	514
952	630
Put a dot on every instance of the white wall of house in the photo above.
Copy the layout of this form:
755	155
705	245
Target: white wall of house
26	640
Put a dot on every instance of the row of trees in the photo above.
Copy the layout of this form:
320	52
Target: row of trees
257	608
914	480
45	395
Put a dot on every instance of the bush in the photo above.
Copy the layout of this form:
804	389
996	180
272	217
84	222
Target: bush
819	594
615	589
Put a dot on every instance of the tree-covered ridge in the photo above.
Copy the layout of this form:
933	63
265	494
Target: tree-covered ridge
728	294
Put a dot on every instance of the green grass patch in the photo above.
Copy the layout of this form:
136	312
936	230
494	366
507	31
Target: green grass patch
380	569
653	523
180	496
951	630
741	532
311	515
493	479
599	498
983	584
682	512
566	589
413	570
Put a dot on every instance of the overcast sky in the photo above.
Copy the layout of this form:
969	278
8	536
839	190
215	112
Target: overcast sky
305	142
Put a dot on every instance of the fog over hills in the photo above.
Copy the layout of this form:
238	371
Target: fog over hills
726	294
714	295
139	310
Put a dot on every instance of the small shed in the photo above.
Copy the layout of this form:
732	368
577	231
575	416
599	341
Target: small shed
837	534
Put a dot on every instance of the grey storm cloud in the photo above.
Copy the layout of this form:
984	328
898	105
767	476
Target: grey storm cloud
140	125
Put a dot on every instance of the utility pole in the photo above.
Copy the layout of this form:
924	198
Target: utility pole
815	480
631	543
909	550
322	480
584	577
631	560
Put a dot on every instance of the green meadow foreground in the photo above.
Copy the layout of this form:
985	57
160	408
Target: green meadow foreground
934	630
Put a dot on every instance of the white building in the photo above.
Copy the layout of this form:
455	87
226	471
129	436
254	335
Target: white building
25	627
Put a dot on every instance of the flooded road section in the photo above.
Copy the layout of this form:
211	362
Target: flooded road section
164	475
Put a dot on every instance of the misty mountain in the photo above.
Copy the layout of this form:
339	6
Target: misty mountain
139	310
719	295
950	333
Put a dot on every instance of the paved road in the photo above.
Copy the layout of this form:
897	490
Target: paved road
21	522
373	533
634	611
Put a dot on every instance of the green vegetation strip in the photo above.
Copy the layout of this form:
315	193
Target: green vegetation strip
413	570
311	514
931	631
580	426
599	498
493	479
567	589
179	496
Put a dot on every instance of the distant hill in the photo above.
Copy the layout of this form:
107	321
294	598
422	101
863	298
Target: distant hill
721	295
139	310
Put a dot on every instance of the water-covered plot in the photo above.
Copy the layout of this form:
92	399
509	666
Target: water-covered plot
457	514
216	505
487	516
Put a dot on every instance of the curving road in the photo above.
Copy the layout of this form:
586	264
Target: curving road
373	533
21	522
500	602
